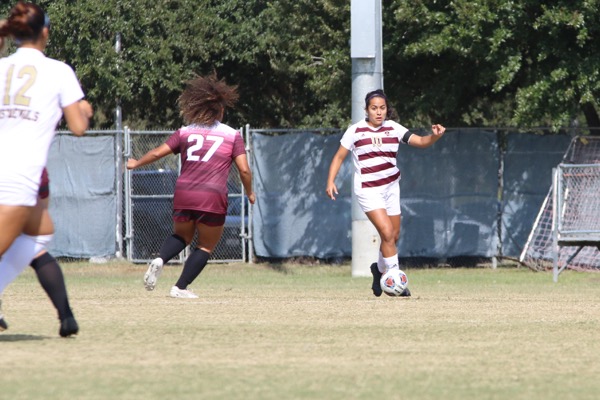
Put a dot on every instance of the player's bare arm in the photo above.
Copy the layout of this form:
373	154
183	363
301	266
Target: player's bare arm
241	162
334	168
78	116
437	131
151	156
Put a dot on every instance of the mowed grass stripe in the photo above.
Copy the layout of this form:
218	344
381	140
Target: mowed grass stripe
306	332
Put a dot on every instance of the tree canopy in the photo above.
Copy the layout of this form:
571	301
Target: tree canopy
520	63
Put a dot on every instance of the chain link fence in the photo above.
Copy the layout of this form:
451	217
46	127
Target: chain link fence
148	205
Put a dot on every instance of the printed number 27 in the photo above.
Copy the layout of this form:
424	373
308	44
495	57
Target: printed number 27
199	139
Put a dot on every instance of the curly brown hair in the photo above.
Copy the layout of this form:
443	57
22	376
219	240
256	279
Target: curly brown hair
204	100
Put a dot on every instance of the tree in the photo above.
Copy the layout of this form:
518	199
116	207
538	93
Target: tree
289	59
521	63
502	62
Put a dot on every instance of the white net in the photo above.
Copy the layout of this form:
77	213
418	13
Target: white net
580	213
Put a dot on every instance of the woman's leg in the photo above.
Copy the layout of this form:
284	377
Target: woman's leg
385	228
208	238
12	221
171	247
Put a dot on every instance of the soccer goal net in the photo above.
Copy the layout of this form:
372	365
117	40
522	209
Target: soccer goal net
568	238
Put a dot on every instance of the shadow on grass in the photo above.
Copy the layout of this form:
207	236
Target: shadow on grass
21	338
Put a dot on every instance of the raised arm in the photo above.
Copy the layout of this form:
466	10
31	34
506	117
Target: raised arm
426	141
151	156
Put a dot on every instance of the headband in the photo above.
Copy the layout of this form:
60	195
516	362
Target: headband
376	94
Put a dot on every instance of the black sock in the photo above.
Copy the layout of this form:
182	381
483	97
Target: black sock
171	247
52	280
192	268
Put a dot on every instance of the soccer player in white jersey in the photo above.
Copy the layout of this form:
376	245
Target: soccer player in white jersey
374	144
35	92
46	268
207	149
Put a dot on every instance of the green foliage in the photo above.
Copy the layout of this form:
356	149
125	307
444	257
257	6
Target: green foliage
460	62
289	59
502	62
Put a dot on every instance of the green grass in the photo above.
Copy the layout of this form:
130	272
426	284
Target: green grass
306	332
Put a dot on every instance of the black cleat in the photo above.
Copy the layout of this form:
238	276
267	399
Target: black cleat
3	324
405	293
376	286
68	327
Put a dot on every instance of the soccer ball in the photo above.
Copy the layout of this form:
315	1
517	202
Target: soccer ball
394	282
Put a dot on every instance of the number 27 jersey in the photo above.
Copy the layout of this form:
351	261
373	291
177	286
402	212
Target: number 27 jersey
206	156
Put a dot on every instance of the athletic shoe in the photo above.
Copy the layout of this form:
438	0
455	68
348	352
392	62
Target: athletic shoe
405	293
376	286
182	293
68	327
152	274
3	324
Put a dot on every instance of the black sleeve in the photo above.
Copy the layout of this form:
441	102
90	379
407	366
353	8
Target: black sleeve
406	137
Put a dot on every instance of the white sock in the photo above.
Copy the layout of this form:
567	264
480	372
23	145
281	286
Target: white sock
381	263
19	256
41	242
391	262
16	259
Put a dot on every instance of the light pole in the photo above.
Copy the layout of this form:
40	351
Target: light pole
367	74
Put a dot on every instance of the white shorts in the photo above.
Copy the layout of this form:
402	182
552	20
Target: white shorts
388	200
20	192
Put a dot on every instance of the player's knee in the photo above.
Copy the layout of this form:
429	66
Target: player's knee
41	242
41	260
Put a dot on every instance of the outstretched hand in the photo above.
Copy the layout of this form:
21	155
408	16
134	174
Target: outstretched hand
131	163
438	130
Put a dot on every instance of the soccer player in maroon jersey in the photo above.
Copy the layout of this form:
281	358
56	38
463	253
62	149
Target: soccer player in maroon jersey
207	149
374	144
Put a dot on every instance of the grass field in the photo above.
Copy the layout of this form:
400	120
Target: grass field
306	332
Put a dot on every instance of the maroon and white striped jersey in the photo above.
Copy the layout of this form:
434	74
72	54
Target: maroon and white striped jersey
206	156
374	153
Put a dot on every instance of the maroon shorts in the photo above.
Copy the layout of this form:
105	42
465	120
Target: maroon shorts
44	190
199	217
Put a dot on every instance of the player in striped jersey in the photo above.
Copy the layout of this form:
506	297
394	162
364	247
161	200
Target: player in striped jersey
207	148
374	144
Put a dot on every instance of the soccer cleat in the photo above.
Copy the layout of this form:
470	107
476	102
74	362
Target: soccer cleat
152	274
376	286
182	293
3	324
68	327
405	293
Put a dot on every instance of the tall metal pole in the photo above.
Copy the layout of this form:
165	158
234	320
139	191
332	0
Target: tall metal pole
367	75
119	161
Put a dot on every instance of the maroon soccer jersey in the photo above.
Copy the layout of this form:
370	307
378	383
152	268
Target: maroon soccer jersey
206	156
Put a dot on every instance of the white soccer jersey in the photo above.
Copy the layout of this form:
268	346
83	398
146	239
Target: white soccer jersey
34	89
374	154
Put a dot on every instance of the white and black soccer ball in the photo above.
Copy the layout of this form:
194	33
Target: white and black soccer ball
394	282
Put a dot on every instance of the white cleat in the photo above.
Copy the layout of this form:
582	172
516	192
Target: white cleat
182	293
152	274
